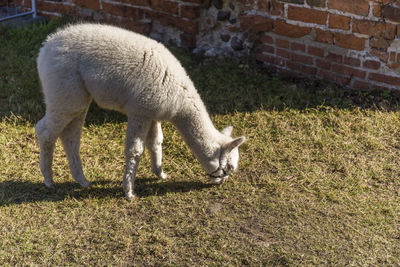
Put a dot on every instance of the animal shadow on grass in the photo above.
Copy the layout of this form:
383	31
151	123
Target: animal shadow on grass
14	192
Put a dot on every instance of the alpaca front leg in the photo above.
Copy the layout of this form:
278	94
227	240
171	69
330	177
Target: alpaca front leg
154	141
134	148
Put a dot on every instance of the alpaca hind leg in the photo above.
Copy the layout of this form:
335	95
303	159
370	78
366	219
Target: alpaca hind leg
48	130
154	141
70	138
134	148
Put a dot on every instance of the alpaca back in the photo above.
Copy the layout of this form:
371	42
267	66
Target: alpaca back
120	70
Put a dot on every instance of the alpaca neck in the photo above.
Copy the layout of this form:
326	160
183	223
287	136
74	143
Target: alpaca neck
198	131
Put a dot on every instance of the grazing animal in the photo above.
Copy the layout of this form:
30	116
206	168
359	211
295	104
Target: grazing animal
137	76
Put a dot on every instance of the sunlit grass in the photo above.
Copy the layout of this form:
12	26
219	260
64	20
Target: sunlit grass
318	182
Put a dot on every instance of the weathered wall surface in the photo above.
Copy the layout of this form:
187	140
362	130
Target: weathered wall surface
176	22
354	43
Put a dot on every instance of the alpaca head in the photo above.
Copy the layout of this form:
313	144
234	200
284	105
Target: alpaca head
228	158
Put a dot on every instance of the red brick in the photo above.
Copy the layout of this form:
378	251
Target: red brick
134	2
135	26
276	8
392	56
282	43
272	7
307	15
48	15
91	4
56	7
26	4
334	57
377	11
298	47
294	66
267	49
348	71
391	13
315	51
192	12
376	29
355	62
188	26
385	2
302	59
294	31
316	3
123	11
382	78
383	56
324	36
359	7
323	64
380	43
264	58
264	6
283	53
350	41
165	6
394	66
326	75
361	85
372	64
256	23
339	22
252	37
309	70
266	39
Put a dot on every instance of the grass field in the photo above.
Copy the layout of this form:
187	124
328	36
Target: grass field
319	178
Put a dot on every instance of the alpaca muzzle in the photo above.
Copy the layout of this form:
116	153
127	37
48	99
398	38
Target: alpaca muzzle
219	176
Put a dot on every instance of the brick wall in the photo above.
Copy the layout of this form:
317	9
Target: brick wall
354	43
173	21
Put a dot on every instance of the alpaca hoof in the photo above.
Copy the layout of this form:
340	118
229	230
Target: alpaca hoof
163	176
130	196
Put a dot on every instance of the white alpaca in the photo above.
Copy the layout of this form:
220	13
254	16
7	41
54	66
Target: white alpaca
137	76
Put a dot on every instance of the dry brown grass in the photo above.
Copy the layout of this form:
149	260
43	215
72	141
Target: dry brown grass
318	182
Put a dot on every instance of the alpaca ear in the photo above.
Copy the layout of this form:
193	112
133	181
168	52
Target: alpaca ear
235	143
227	131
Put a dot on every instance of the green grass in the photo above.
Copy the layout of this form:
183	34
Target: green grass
319	178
